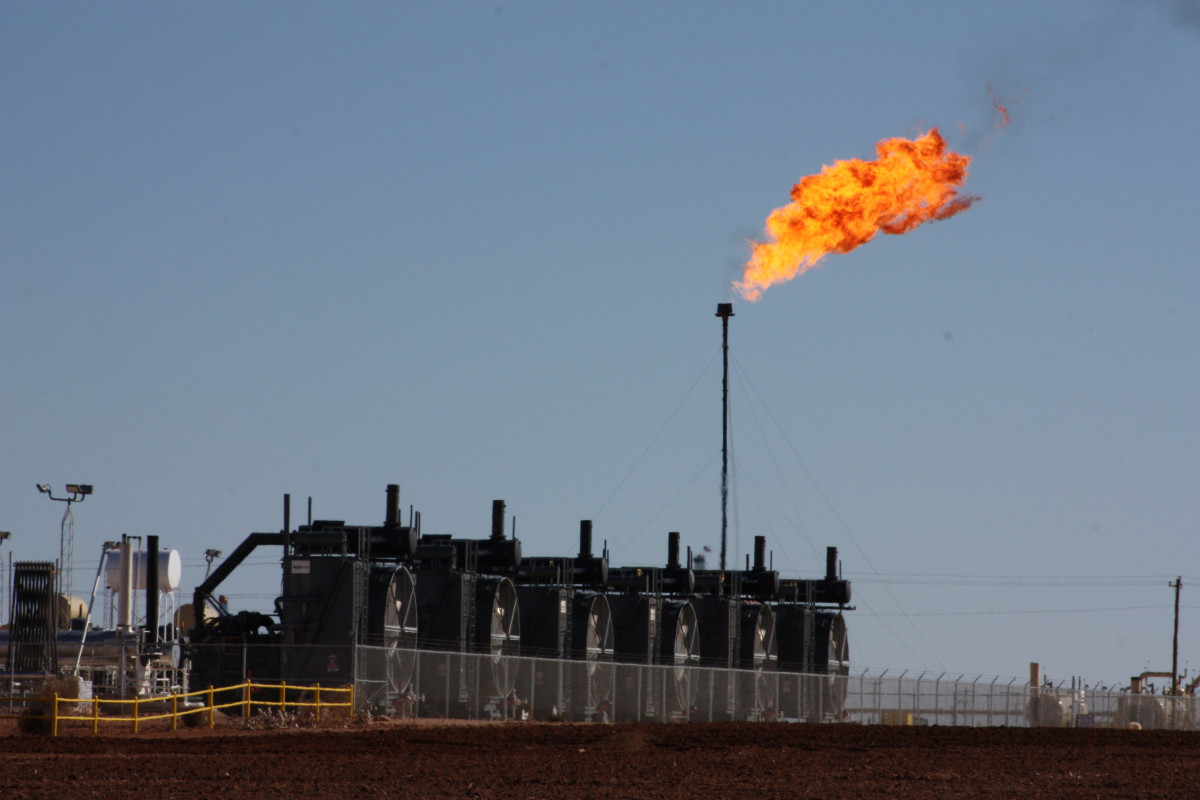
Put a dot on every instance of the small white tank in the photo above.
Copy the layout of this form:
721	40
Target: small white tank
170	570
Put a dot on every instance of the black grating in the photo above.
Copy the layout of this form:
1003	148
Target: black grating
33	646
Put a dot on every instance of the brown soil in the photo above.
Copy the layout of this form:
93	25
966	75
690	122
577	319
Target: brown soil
528	760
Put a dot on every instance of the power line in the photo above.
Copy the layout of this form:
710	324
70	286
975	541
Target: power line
656	436
1018	612
1051	581
666	505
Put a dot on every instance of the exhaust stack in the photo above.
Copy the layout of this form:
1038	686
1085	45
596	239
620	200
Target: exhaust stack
585	538
392	518
497	520
151	590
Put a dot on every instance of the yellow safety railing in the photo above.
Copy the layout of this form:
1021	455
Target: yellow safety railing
203	704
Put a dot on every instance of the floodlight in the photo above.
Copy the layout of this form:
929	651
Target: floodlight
211	554
44	488
79	488
4	535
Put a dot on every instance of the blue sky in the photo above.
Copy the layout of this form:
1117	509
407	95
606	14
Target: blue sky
476	249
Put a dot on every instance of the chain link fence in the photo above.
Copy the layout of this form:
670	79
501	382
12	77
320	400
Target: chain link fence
456	685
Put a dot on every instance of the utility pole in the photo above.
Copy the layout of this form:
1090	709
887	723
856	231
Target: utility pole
724	311
1175	641
4	536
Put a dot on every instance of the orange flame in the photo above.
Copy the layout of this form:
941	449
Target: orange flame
849	202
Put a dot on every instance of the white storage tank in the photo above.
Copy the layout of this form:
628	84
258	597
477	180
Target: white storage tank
170	570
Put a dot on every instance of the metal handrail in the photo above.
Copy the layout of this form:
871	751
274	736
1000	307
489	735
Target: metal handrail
246	701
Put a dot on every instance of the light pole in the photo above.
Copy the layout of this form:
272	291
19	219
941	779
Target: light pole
210	556
76	492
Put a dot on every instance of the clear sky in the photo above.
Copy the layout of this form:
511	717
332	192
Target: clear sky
476	249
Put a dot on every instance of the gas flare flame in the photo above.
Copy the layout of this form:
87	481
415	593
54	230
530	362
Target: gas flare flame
846	204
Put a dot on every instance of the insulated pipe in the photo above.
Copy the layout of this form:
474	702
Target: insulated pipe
125	590
152	590
204	591
760	553
673	550
831	569
497	519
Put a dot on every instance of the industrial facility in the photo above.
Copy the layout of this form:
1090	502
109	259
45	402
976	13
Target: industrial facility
360	603
435	625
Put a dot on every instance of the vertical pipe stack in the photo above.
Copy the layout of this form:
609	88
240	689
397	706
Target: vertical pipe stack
831	564
393	506
585	538
497	520
125	590
151	590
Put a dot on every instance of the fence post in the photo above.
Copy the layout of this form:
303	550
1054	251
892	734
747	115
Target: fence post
879	697
211	708
917	699
54	713
282	696
174	712
246	700
862	696
318	704
95	714
136	701
352	701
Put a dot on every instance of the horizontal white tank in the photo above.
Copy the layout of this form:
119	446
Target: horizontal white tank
170	570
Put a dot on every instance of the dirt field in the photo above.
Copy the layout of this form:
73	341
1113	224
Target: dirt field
526	760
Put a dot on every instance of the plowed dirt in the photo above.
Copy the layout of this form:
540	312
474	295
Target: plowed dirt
528	760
